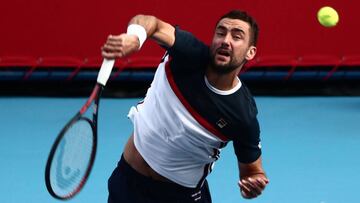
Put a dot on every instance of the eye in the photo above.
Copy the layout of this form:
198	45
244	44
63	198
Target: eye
238	37
220	33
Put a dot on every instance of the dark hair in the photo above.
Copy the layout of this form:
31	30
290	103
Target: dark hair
242	15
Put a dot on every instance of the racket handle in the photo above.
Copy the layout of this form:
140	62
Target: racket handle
105	71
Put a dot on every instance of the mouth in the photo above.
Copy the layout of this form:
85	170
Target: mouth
223	54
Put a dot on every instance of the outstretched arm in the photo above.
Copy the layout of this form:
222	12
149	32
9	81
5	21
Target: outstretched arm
145	27
252	179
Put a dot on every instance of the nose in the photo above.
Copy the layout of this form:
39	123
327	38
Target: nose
226	41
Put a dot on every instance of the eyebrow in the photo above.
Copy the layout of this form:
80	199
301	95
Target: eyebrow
221	27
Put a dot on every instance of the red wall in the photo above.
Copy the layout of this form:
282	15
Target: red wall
77	28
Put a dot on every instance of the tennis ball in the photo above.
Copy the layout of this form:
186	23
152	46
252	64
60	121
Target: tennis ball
327	16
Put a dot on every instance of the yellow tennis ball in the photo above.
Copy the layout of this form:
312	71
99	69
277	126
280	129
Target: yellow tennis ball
327	16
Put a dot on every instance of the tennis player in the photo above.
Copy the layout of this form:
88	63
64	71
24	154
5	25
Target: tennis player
196	105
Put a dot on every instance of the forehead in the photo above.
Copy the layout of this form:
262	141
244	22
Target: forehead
231	24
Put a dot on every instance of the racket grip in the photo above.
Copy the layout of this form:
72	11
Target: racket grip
105	71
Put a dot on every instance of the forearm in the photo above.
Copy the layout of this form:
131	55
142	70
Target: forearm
162	32
252	179
250	169
140	28
148	22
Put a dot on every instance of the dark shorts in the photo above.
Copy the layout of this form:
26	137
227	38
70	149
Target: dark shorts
128	186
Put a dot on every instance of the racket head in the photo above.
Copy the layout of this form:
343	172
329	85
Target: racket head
71	158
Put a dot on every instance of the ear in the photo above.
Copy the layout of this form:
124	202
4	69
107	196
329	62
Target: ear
250	53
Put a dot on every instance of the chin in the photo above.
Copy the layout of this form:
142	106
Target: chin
222	64
222	68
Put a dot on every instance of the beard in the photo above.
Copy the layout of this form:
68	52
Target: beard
225	68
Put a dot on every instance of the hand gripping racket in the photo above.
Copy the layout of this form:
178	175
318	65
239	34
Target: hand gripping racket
73	152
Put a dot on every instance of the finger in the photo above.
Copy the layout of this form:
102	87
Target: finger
113	51
243	186
117	38
245	191
115	41
113	37
253	187
119	42
251	182
258	185
261	182
111	55
110	48
246	195
108	55
250	188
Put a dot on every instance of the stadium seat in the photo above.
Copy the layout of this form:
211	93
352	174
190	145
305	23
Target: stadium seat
143	62
318	62
95	62
18	61
350	60
60	62
92	62
270	63
350	65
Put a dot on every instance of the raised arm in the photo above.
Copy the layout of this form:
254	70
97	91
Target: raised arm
140	28
252	179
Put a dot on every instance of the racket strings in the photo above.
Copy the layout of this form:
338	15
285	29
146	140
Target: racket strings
72	158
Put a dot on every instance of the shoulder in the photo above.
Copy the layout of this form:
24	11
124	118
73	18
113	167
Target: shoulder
188	46
247	95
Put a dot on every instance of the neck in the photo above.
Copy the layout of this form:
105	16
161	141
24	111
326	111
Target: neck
222	81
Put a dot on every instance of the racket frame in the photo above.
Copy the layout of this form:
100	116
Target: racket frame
94	98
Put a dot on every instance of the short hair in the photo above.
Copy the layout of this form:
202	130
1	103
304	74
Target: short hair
242	15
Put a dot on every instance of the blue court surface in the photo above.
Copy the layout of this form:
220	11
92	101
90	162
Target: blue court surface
310	149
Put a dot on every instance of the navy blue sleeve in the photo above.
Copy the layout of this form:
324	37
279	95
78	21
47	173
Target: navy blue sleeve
187	48
247	146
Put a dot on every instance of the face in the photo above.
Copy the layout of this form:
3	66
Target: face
230	47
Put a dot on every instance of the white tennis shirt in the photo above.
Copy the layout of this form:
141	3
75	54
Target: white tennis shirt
183	122
170	140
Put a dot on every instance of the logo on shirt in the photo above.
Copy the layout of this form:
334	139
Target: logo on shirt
221	123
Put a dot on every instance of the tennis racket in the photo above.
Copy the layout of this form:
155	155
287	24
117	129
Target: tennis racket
73	153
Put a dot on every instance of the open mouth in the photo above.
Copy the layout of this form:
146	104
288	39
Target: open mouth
223	52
